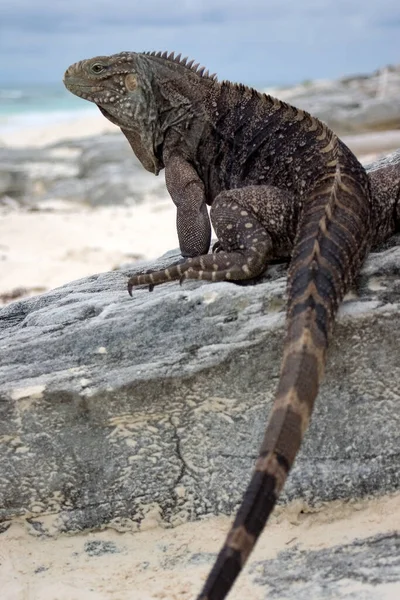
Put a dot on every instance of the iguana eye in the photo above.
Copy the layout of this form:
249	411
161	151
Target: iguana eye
97	68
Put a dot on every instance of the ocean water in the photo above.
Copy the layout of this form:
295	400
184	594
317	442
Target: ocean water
25	106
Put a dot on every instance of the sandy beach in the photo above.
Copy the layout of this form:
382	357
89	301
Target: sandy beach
72	241
160	564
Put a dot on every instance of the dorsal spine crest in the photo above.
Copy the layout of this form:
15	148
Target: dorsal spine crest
183	62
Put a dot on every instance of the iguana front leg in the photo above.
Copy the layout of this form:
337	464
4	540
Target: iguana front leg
192	221
246	222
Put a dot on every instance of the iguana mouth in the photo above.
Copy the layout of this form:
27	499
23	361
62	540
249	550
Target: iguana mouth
76	85
83	89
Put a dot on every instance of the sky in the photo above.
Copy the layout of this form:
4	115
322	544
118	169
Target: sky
257	42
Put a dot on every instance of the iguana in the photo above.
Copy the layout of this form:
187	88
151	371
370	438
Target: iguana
281	185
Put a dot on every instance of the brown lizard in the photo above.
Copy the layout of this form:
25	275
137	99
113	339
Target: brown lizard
280	184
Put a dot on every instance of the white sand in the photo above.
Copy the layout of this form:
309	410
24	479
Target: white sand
47	249
153	564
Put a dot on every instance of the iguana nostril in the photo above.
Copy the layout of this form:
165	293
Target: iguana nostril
69	72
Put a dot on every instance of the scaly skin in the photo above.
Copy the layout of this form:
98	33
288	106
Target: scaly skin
280	184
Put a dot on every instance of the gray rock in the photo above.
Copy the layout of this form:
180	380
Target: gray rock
113	175
105	150
116	183
98	170
390	160
28	174
110	404
73	189
351	104
364	569
14	182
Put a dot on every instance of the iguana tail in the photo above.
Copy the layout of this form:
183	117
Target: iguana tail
331	244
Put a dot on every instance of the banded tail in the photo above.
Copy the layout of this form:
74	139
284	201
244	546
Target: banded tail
331	244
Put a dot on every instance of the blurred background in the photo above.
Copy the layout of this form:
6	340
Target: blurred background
74	201
258	42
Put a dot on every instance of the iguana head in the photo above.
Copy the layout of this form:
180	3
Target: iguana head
121	88
146	94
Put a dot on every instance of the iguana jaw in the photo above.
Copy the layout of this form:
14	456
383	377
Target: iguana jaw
80	88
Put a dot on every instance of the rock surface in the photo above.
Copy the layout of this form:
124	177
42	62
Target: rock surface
367	568
96	170
115	408
351	104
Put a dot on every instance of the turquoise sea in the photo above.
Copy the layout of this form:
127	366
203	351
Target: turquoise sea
25	106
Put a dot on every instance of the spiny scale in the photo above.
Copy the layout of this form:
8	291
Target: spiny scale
196	68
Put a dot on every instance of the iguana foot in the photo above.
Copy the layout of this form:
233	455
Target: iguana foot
243	250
